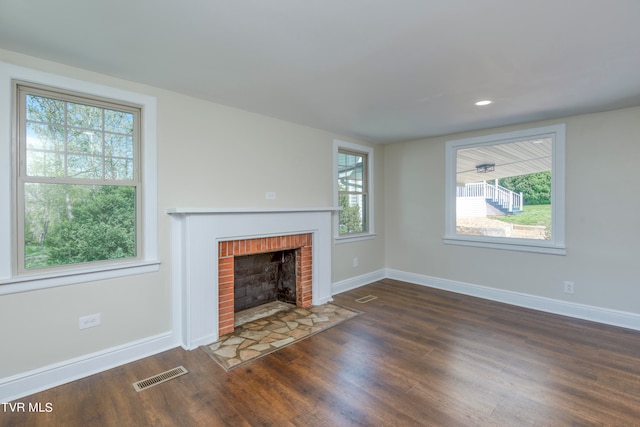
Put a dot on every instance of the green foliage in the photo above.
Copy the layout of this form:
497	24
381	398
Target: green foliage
102	227
535	187
69	221
350	216
47	204
36	255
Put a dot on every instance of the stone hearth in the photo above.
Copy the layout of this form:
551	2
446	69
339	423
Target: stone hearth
201	235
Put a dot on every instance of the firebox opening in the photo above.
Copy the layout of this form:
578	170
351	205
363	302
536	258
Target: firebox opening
264	278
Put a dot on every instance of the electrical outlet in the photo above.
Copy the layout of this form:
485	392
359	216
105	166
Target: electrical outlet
270	195
568	287
90	321
355	262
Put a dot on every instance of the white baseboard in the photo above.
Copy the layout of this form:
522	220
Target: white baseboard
356	282
24	384
207	339
579	311
30	382
324	300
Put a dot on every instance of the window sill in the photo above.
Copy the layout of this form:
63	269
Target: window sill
33	282
519	245
354	238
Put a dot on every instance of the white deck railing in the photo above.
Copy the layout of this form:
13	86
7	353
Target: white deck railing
506	198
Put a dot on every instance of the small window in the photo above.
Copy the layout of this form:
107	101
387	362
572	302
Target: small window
78	192
506	191
353	190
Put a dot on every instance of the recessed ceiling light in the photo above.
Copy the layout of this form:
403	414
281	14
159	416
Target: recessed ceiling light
484	102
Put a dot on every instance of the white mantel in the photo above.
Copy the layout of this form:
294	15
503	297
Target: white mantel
195	236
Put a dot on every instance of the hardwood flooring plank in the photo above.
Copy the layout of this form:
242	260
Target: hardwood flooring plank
416	356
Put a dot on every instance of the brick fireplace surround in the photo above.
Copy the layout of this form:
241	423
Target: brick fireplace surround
203	243
228	250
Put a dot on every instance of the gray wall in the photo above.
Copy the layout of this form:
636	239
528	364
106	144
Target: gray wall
602	208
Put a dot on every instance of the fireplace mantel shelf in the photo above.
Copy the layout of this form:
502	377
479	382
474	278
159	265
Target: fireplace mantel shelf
187	211
195	237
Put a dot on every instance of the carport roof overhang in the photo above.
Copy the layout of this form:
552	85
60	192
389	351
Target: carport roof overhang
510	159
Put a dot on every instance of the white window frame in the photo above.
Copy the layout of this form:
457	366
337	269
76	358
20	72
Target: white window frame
10	280
370	233
554	246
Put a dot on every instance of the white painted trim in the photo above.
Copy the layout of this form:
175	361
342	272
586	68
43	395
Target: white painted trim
337	240
173	211
579	311
356	282
371	232
519	245
178	276
76	276
564	308
195	238
557	244
27	383
24	384
10	281
324	299
194	343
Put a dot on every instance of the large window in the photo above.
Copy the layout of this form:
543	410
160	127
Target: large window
506	191
353	190
78	189
78	181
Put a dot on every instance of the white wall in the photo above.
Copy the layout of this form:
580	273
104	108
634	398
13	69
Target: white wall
208	156
471	206
602	209
215	156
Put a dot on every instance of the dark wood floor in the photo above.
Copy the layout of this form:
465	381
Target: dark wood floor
417	356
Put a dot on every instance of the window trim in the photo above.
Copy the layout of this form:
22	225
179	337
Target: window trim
10	281
357	148
24	178
556	245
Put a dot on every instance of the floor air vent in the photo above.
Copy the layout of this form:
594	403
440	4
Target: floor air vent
160	378
366	299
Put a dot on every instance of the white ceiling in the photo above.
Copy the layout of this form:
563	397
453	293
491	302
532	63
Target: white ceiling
379	70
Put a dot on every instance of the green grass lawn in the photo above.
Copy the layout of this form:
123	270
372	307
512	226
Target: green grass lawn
35	256
532	215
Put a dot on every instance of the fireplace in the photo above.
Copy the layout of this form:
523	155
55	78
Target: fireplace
260	279
204	243
228	253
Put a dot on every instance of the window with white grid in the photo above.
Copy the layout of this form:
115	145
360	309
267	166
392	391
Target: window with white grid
78	192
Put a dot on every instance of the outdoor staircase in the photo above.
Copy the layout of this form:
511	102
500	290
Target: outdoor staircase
503	206
501	198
